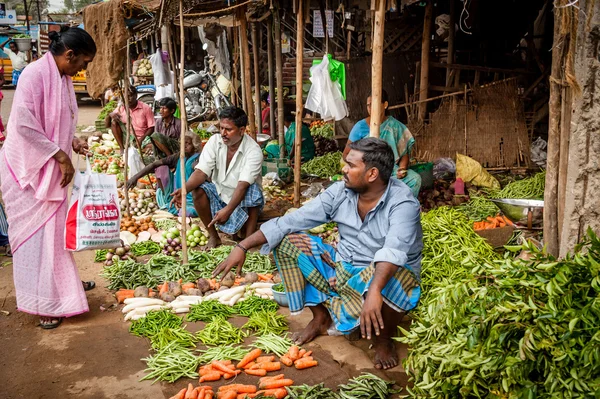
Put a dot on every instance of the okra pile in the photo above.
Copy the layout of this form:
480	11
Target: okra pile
511	328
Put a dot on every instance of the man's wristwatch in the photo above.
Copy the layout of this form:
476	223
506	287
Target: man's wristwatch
240	246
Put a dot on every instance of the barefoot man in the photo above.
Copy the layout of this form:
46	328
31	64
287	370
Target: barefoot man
227	182
372	279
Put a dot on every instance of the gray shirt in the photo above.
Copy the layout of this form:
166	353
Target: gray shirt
391	232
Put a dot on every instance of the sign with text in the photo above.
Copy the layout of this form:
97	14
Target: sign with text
7	17
318	30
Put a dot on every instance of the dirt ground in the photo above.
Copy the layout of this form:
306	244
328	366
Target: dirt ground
94	356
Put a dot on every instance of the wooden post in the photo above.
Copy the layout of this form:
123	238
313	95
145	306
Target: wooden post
234	71
553	157
271	71
299	105
255	53
451	36
425	45
279	80
322	9
348	44
173	63
377	69
563	165
124	97
184	128
247	78
242	68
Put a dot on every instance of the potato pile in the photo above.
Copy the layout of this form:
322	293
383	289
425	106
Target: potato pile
134	226
141	203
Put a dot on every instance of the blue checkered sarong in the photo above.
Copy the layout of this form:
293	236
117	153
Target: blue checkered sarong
15	77
253	198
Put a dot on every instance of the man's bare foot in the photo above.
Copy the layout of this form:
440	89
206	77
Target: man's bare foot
213	242
386	356
317	326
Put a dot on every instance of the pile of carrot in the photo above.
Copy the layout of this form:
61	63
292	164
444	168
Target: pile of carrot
299	358
492	223
273	387
123	294
216	370
201	392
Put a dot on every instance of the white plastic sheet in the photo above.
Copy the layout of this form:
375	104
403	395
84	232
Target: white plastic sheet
325	96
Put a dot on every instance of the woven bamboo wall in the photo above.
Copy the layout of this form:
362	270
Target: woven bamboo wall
496	133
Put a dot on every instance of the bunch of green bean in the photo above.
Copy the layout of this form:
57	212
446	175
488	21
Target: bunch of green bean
145	248
267	322
512	328
204	263
366	386
326	166
207	310
530	188
100	255
273	343
154	322
129	275
278	287
310	392
220	332
448	241
165	224
171	363
478	208
224	352
167	335
254	304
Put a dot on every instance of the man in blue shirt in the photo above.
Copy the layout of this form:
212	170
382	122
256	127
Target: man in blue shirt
372	279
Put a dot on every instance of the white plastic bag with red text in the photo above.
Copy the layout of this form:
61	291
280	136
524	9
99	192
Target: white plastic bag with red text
94	215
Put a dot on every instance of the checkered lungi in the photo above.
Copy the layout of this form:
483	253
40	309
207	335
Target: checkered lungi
253	198
306	265
15	77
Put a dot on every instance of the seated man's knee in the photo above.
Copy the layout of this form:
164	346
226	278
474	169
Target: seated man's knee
198	194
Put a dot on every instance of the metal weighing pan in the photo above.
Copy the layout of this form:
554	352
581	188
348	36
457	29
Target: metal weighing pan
524	212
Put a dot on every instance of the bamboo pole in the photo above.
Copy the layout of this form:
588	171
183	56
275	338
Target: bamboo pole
279	80
299	105
377	69
124	97
425	45
242	68
234	71
255	53
247	78
184	128
173	62
271	71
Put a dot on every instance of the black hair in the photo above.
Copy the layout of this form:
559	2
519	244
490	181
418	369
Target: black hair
75	39
169	103
376	154
12	42
264	97
289	116
236	115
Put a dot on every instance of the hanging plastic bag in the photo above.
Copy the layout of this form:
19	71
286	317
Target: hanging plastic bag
162	76
94	215
325	96
135	164
471	171
538	152
443	168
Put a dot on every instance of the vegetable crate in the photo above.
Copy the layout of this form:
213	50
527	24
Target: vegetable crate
100	126
425	170
279	166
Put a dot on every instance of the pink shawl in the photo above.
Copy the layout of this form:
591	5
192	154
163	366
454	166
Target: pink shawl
38	127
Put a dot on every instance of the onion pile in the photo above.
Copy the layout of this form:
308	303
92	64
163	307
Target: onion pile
171	241
121	253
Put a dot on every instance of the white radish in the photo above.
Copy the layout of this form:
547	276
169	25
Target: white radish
142	303
236	298
265	296
261	285
138	316
181	310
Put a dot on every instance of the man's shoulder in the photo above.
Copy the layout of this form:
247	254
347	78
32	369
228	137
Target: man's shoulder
251	146
145	107
399	193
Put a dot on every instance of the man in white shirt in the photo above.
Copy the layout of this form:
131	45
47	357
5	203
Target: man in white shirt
227	182
18	59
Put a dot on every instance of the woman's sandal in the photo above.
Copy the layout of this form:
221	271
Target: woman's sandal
54	322
7	251
88	285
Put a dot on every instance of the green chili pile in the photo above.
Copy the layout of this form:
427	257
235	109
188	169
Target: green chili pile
168	335
224	352
207	310
254	304
310	392
514	328
326	166
145	248
154	322
366	386
530	188
478	208
129	275
100	255
267	322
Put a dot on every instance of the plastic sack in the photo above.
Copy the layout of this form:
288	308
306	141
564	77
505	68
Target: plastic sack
325	96
94	215
443	168
135	164
538	152
163	78
471	171
313	190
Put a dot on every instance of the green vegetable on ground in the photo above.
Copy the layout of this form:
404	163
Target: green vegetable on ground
325	166
224	352
165	224
129	275
366	386
254	304
171	363
100	255
273	343
220	332
154	322
310	392
512	328
145	248
207	310
167	335
530	188
267	322
278	287
478	208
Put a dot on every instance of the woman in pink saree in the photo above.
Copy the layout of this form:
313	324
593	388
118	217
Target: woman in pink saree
35	170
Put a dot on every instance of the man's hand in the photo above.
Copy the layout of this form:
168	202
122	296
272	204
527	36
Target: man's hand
176	198
115	117
236	258
80	146
371	319
401	173
221	217
66	168
131	183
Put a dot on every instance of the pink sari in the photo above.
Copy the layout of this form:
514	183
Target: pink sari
43	122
